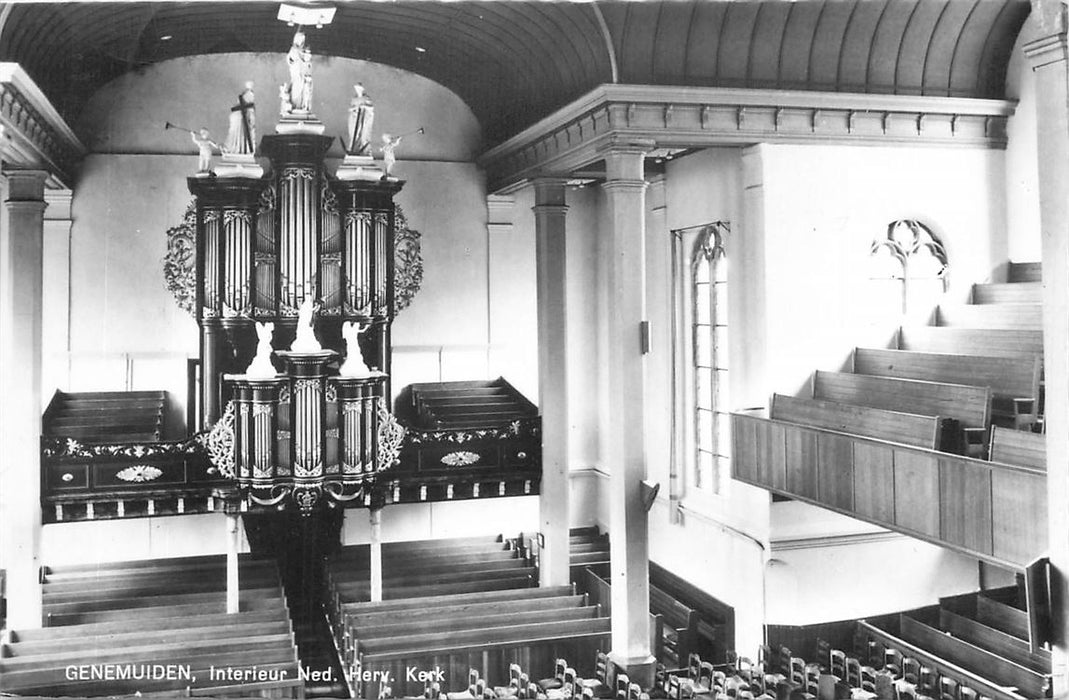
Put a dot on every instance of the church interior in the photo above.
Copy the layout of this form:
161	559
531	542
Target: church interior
520	349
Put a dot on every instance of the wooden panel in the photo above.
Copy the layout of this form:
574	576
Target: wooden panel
835	471
916	492
907	428
1013	621
744	447
1007	293
1008	377
964	403
1029	316
1018	447
1019	512
874	481
1025	272
801	463
965	505
992	342
771	457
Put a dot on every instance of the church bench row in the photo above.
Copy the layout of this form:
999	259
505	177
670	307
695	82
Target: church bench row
149	583
679	622
906	428
1025	272
430	557
178	566
992	511
665	639
1014	381
1018	447
495	614
996	641
144	616
181	620
133	602
969	405
880	640
358	582
1007	673
1003	617
1022	316
1007	293
418	590
990	342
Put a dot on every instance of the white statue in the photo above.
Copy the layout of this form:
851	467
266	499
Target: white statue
298	90
361	117
354	365
203	139
389	143
261	367
306	336
241	136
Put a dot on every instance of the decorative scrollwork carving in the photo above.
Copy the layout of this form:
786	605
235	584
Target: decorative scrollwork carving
460	458
391	435
180	261
407	263
220	443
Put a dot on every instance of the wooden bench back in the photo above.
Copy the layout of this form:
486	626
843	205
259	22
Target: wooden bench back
906	428
1026	316
969	405
992	342
1019	447
1007	377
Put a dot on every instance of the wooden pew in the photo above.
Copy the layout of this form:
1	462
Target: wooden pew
162	624
991	342
1002	617
957	651
679	625
969	405
1012	380
1005	645
906	428
1018	447
871	634
1024	316
716	620
1025	272
145	616
1007	293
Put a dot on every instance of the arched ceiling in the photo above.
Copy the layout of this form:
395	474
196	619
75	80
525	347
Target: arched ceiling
516	61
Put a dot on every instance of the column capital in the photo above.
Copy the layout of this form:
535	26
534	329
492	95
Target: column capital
25	185
1047	50
59	204
627	161
549	192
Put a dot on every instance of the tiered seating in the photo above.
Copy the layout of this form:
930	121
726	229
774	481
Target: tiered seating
106	416
907	428
1018	447
454	603
468	405
588	546
977	642
118	622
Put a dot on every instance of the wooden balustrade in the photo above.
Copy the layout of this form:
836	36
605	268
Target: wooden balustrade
993	511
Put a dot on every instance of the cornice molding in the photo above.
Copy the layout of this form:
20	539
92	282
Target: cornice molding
614	116
34	135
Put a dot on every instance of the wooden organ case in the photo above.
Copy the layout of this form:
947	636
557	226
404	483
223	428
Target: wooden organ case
265	247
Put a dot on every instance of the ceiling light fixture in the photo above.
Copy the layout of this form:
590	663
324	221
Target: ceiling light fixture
166	37
306	14
420	49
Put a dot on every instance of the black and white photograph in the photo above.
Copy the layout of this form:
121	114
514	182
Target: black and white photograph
534	349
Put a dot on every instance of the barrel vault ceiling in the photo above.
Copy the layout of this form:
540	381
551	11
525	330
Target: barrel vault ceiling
515	61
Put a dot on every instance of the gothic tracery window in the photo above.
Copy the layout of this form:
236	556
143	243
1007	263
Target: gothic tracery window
907	268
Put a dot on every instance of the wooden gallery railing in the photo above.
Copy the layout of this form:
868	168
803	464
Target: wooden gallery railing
997	512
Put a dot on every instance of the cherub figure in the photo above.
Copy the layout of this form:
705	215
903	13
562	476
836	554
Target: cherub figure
306	337
203	139
261	366
389	143
354	365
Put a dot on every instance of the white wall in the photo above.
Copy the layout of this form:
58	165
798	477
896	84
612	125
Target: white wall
418	521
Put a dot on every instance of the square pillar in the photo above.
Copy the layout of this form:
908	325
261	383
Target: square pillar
625	221
21	246
551	281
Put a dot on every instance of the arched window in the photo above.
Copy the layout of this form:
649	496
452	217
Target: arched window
907	268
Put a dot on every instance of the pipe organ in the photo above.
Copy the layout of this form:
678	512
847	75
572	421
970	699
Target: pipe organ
265	247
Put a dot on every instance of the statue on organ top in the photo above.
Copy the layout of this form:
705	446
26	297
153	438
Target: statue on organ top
361	117
299	89
241	137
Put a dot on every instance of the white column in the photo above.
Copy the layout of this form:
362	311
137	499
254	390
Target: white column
1048	57
55	370
625	219
233	582
376	553
551	256
21	237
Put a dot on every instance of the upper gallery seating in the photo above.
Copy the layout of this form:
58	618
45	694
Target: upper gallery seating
872	442
115	623
106	416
